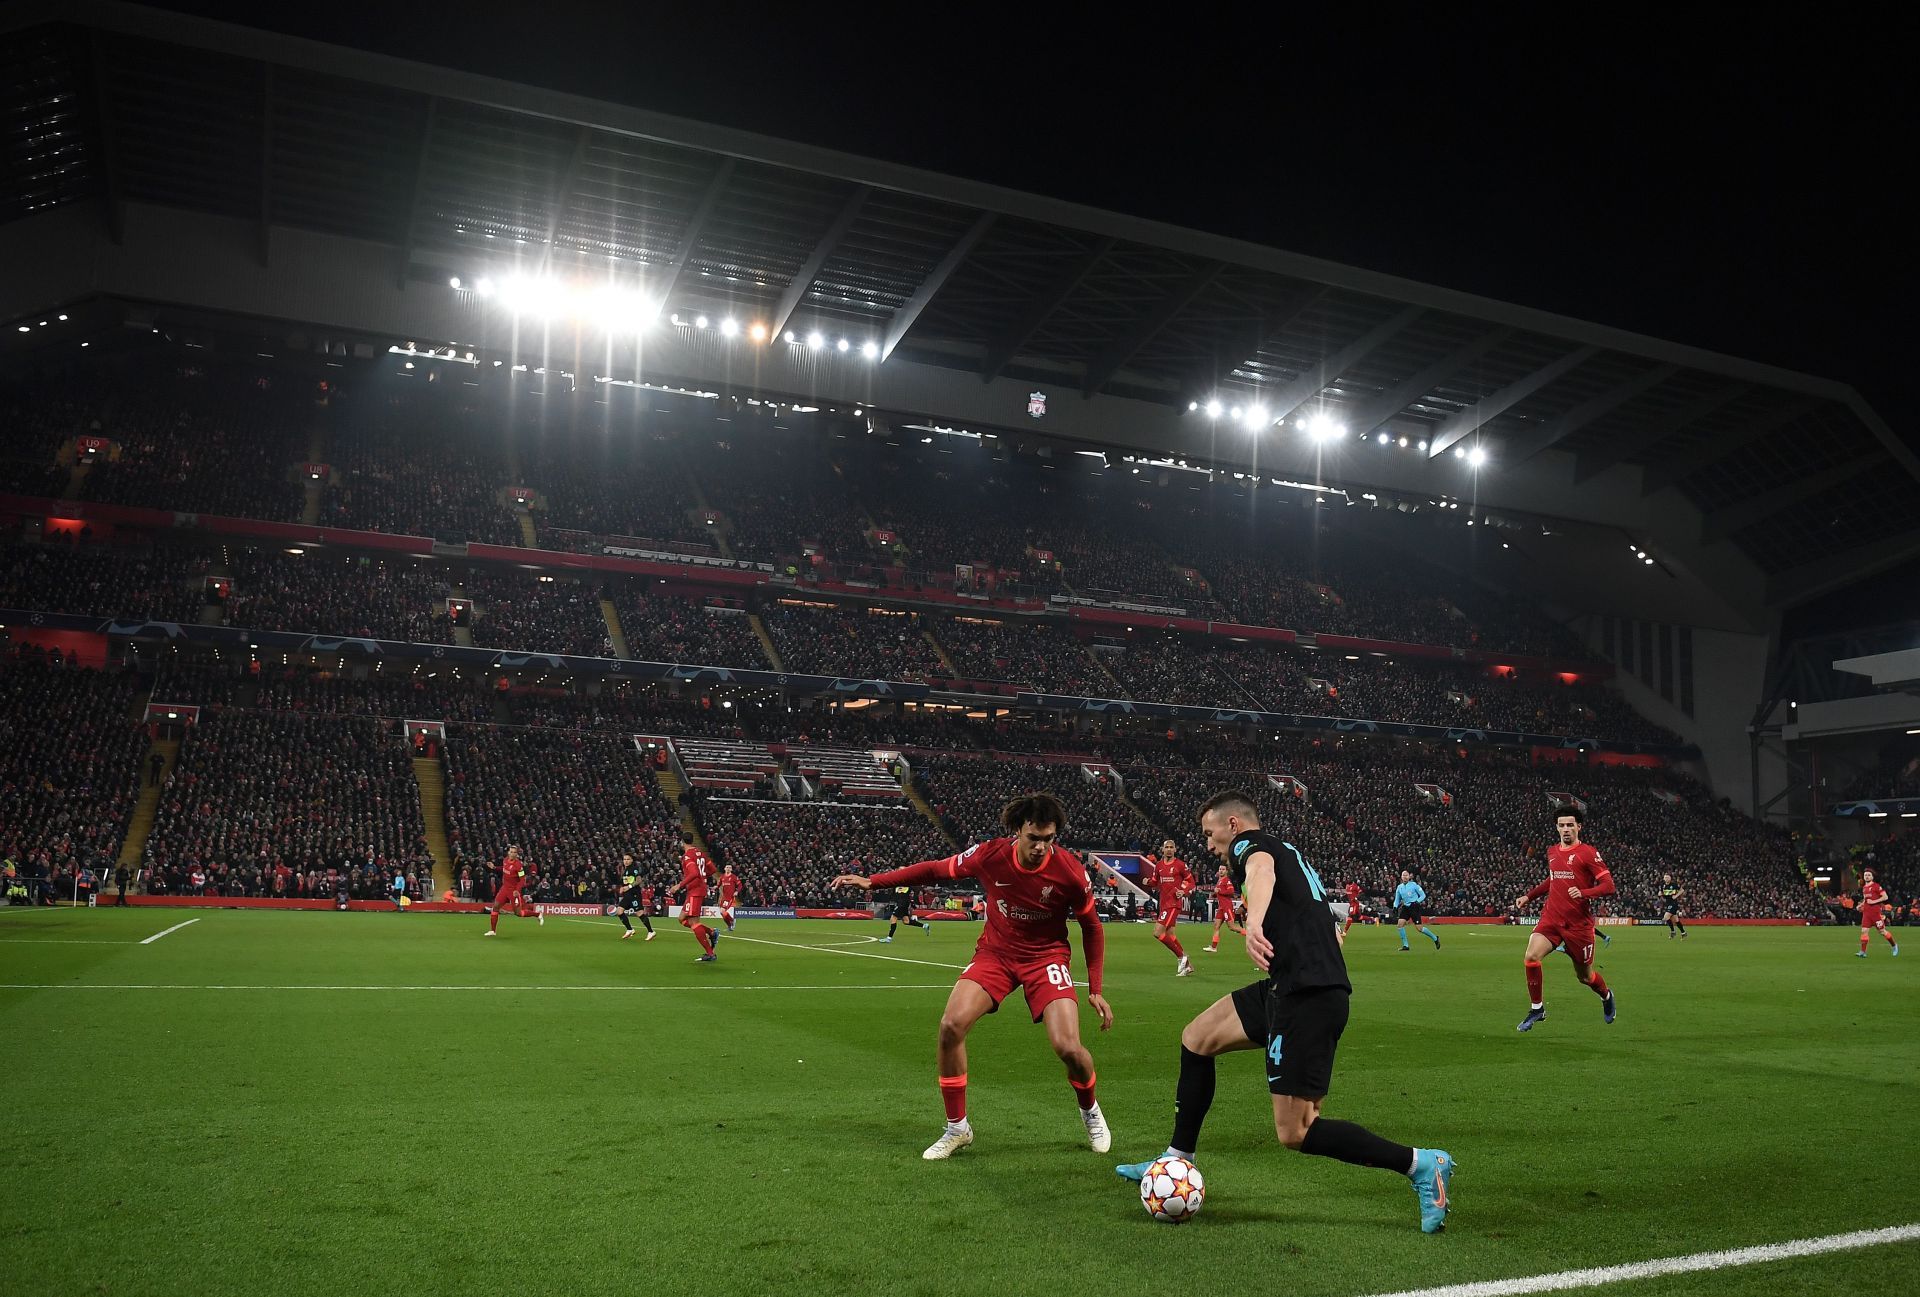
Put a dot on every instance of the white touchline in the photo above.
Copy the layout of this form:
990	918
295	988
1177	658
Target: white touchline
214	986
60	941
1607	1274
175	928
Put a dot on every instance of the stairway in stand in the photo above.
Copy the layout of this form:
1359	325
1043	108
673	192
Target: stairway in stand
766	640
671	788
611	616
431	776
921	804
141	824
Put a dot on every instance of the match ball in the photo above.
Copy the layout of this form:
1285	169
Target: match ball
1172	1190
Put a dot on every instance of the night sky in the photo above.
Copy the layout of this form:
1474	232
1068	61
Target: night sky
1726	186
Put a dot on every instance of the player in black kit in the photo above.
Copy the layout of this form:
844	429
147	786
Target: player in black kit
1296	1014
1670	897
627	902
903	913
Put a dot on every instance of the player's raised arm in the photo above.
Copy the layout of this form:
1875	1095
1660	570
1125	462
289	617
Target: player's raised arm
852	880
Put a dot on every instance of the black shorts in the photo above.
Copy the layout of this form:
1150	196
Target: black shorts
1670	911
630	903
1300	1031
1412	914
903	911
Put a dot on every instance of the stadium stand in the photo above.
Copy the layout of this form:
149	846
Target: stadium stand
257	791
573	802
69	763
788	852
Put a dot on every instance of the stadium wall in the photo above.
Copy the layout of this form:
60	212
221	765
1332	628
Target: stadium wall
1729	679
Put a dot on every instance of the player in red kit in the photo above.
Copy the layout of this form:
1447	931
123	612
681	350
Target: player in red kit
729	890
1873	914
1575	876
694	868
1032	885
513	881
1224	896
1353	908
1171	877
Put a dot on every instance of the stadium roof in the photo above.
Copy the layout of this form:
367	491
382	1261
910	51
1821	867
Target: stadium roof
108	106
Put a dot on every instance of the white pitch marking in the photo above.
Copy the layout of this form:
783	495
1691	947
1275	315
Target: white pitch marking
60	941
1697	1261
827	950
182	986
175	928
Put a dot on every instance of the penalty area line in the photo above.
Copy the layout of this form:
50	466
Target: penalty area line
1698	1261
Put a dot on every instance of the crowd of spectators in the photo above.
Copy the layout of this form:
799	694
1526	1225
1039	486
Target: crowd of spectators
199	440
574	802
611	483
849	641
409	694
517	610
319	593
1041	654
666	629
1363	819
104	581
70	755
787	852
967	792
38	415
778	495
425	462
254	790
626	708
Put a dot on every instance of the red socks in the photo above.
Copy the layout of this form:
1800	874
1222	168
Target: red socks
705	935
1534	980
493	924
953	1093
1889	937
1082	1091
1172	943
1597	984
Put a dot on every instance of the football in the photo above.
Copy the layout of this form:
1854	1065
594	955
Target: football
1172	1190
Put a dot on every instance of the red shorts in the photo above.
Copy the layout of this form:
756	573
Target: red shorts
1167	917
1578	941
512	900
1872	916
1044	979
691	910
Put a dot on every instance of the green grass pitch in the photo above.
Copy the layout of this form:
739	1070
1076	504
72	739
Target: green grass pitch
372	1103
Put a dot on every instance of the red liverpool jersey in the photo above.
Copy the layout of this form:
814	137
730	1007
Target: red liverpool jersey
693	872
1173	879
1027	911
729	887
1224	891
1569	867
512	874
1873	895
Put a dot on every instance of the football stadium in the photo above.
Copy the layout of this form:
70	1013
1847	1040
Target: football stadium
584	654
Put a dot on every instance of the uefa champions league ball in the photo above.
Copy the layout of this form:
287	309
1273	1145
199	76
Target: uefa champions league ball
1172	1190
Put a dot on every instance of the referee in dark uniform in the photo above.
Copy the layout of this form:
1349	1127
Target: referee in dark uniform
1296	1014
902	902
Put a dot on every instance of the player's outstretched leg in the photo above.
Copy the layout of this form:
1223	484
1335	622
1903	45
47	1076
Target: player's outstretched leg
892	928
1217	1030
967	1003
1427	932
